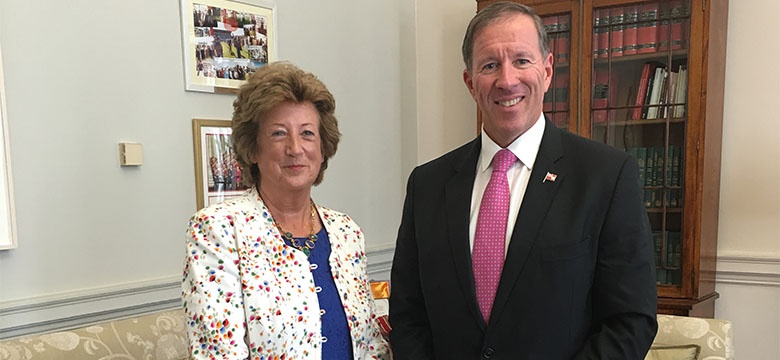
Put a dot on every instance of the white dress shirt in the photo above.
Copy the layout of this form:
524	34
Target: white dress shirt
525	149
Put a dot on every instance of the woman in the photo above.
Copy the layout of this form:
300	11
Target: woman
271	274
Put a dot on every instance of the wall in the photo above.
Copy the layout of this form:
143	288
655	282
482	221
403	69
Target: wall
748	277
97	240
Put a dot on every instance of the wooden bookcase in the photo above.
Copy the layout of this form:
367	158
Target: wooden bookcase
674	132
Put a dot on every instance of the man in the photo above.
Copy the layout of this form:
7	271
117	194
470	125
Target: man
568	272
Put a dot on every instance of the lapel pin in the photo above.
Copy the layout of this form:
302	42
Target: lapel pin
550	177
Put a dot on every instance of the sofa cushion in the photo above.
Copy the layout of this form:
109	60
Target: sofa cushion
673	352
714	336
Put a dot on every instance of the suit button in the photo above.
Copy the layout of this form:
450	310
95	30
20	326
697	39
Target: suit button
488	353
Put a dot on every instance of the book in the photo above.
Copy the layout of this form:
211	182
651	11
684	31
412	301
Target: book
604	35
561	100
664	27
596	32
676	168
648	198
563	39
676	13
616	33
671	95
547	104
600	94
649	91
659	84
630	19
641	91
673	249
641	158
658	242
551	27
647	30
682	91
658	172
649	168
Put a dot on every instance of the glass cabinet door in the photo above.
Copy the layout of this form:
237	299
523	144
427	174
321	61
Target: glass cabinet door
556	99
638	104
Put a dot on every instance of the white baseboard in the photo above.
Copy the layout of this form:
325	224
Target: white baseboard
78	308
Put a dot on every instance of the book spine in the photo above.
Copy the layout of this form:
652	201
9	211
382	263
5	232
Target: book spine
616	19
658	242
604	36
649	167
655	90
676	154
682	91
641	92
664	27
596	32
600	93
649	90
561	100
658	92
678	21
630	19
563	42
641	157
647	32
671	96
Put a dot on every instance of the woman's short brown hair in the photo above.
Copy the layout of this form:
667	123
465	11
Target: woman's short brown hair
269	87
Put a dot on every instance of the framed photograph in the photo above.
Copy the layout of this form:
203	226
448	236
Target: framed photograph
7	214
217	174
225	41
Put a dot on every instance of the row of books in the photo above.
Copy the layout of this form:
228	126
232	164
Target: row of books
657	87
653	162
559	33
668	257
639	29
556	100
654	198
648	92
668	248
668	276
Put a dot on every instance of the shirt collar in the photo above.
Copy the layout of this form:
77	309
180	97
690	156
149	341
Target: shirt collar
525	147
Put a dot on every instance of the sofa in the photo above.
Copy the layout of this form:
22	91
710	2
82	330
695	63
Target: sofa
161	336
681	337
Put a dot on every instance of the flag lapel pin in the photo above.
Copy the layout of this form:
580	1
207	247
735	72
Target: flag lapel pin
550	177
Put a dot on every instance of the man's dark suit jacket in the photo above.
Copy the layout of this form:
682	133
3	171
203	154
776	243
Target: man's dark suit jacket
579	277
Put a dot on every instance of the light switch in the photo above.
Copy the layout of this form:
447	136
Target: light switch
131	154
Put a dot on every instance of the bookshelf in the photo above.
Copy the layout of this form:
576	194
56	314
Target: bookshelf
647	77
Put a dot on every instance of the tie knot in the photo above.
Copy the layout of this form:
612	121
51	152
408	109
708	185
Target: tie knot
503	160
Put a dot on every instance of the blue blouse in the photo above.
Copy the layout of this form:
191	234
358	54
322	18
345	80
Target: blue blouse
335	329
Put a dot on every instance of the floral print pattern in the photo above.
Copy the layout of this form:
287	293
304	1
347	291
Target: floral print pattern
249	295
714	336
156	336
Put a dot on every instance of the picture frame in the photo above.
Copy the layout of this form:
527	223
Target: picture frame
217	173
224	41
7	212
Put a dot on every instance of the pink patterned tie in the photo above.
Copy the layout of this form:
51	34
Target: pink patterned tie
487	257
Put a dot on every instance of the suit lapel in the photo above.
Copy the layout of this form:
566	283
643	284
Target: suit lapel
457	195
537	199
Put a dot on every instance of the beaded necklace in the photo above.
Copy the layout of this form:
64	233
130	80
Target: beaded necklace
308	244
